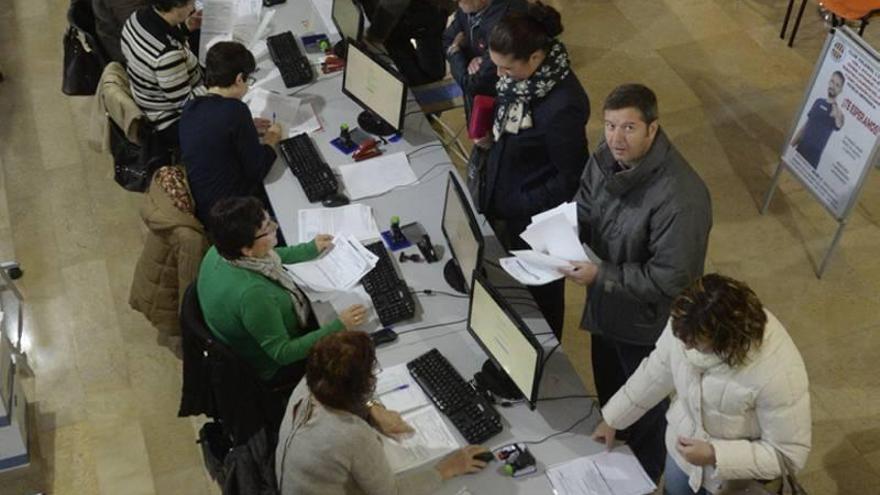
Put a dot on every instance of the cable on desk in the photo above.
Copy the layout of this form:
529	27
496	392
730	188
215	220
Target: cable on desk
573	426
419	178
436	325
431	292
420	148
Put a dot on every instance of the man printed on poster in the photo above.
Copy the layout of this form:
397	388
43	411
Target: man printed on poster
823	118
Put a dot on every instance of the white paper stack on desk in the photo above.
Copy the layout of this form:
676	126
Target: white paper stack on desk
553	236
274	106
377	175
340	268
356	219
617	472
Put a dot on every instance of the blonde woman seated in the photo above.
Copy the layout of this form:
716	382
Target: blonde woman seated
741	391
330	442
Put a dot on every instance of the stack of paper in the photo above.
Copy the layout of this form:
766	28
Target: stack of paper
398	391
430	440
377	175
553	236
610	473
338	269
273	106
239	20
355	219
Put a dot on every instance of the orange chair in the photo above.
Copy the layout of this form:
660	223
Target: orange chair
841	11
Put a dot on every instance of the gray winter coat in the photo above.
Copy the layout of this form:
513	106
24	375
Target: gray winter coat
650	227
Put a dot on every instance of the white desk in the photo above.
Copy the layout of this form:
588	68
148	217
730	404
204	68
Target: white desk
423	202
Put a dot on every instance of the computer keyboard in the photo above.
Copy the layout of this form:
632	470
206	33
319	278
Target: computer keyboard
314	175
472	414
391	297
296	69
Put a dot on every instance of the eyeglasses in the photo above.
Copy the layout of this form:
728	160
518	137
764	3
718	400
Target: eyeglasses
272	228
250	80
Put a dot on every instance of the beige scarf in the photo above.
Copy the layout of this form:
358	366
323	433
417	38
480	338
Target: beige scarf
270	267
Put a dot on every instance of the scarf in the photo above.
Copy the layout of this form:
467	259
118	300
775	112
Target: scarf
271	268
512	105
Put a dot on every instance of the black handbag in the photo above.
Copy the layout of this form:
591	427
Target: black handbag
134	164
82	65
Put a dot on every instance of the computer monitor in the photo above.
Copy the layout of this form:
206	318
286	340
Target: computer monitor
349	20
515	355
462	235
377	88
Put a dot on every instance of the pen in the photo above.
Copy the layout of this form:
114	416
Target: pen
395	389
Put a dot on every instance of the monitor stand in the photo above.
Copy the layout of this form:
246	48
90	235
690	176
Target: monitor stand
370	122
496	381
453	276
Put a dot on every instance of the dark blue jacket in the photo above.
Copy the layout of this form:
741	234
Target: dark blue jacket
221	151
538	168
476	29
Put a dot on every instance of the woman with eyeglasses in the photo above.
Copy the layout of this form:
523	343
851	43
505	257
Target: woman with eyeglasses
251	303
225	150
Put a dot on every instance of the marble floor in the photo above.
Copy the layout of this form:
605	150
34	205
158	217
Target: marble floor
104	393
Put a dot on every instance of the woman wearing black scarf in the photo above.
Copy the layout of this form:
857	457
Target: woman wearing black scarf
538	145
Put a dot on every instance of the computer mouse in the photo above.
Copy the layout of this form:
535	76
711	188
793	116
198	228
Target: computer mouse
335	199
485	456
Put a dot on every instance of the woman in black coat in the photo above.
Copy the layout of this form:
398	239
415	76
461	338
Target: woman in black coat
537	148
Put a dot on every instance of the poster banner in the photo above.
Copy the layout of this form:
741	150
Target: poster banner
833	142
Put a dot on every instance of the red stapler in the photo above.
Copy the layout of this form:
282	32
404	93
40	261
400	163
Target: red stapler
367	149
332	63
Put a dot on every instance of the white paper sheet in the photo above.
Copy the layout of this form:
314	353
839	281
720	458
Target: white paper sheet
246	19
217	21
262	31
398	391
568	209
307	121
608	473
432	439
553	235
341	299
272	106
273	75
541	259
528	274
355	219
377	175
339	269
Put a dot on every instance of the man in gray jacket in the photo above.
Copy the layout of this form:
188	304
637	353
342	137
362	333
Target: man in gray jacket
647	215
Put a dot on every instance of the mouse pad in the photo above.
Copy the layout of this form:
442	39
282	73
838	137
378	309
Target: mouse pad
357	137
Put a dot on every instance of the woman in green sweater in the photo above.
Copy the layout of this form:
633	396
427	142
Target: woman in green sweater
249	300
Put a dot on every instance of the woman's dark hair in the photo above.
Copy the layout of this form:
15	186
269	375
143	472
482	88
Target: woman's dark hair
523	33
167	5
723	312
339	371
233	223
633	96
226	60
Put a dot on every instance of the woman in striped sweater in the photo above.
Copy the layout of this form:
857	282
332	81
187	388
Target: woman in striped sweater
163	71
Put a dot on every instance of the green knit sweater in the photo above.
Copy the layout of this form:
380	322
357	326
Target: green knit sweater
254	315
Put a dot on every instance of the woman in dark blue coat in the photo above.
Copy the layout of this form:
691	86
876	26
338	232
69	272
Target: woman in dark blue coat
537	148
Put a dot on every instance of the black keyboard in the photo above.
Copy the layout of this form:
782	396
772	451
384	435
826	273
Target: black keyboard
314	175
295	68
391	297
472	414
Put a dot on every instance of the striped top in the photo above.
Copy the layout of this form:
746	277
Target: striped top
163	72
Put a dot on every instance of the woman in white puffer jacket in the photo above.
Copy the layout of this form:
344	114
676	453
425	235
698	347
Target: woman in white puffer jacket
741	391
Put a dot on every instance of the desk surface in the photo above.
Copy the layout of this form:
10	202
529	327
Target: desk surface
423	202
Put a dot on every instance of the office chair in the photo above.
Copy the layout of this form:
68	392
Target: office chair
840	10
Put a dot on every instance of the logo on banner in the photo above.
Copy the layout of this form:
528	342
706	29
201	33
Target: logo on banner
837	51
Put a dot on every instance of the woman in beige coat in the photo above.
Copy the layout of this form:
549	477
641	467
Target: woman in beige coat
741	391
172	252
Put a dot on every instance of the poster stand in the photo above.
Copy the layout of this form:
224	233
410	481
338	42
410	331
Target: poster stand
835	178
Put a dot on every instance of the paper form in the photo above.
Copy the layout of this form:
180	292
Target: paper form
528	274
217	22
390	390
568	209
340	268
377	175
553	235
431	439
307	121
272	106
609	473
356	220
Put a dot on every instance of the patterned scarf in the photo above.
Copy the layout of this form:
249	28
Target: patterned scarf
512	105
270	267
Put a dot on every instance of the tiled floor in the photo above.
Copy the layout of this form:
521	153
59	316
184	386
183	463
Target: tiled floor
104	394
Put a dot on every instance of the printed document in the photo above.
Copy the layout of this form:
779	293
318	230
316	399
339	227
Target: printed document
553	235
270	105
356	220
528	274
609	473
338	269
568	209
431	439
398	391
377	175
306	121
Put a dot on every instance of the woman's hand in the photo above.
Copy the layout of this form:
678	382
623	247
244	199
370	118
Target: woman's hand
389	423
272	134
323	242
696	452
604	434
352	316
461	462
262	125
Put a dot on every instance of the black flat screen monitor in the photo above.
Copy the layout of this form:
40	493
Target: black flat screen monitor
348	18
462	235
515	355
377	88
